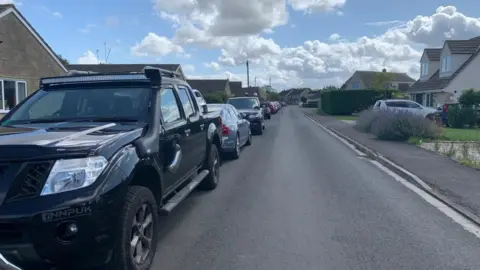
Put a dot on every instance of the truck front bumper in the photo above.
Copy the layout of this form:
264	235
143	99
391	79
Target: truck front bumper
80	233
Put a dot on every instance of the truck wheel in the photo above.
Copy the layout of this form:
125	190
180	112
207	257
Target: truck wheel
213	166
138	225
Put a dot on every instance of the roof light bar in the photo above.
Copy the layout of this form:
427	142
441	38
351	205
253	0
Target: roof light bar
93	78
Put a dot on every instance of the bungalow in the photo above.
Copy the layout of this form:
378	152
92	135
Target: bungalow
236	88
366	79
445	72
283	95
25	57
206	86
294	96
125	68
313	97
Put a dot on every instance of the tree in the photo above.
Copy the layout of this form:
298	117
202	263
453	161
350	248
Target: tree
303	99
64	60
469	97
273	96
329	88
382	80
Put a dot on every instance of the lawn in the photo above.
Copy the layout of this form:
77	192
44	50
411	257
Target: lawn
346	117
456	134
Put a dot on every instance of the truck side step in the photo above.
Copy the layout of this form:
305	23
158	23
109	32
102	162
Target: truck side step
183	193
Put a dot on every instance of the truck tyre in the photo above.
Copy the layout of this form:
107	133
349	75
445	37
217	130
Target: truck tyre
138	227
213	166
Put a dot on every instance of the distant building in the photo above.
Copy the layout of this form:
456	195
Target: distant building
364	79
295	95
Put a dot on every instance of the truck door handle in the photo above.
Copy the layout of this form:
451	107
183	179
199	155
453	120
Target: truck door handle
187	132
201	126
173	167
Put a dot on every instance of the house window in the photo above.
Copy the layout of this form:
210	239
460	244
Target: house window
12	93
424	69
356	85
446	63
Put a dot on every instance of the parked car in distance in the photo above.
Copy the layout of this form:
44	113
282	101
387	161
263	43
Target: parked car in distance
199	97
83	180
235	129
267	113
404	106
250	108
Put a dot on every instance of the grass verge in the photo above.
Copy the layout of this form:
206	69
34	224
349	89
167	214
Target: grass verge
456	134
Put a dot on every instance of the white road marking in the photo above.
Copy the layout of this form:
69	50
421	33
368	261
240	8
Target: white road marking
339	138
445	209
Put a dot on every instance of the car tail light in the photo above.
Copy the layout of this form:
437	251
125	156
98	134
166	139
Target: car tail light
225	130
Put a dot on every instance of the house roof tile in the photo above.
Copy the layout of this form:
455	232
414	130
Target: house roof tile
120	68
314	94
433	54
5	7
436	83
367	76
208	86
236	88
297	91
469	46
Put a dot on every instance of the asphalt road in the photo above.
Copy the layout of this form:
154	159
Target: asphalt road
300	199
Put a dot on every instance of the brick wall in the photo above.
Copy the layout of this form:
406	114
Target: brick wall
22	56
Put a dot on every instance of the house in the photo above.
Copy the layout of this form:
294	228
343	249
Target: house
313	97
125	68
25	57
294	96
366	80
283	94
207	86
236	88
445	72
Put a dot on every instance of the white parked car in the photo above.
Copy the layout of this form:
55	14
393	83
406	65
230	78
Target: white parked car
405	106
198	96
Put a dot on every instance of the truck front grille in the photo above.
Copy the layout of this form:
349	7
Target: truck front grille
29	181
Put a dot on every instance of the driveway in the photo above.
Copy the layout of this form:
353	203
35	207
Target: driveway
298	198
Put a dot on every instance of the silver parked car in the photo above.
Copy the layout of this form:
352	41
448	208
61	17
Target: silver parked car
235	129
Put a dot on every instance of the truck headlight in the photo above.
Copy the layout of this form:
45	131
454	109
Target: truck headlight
71	174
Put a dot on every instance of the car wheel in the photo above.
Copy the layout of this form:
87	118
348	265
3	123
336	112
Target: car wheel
236	152
138	233
249	141
213	166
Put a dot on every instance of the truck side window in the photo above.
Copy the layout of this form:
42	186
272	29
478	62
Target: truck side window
169	106
186	102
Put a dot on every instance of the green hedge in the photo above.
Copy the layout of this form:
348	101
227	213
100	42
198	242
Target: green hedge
347	102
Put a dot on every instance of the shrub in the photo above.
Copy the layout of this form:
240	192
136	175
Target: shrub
365	120
400	126
460	116
469	97
348	102
216	97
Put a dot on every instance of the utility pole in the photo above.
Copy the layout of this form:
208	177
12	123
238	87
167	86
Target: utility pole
248	75
270	82
255	81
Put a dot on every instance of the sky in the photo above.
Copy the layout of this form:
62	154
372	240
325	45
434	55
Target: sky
293	43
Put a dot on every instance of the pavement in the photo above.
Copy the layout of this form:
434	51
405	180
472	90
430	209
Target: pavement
298	198
460	184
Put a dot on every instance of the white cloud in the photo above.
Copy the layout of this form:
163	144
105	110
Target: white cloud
112	21
188	69
88	58
154	45
6	2
213	65
313	63
394	22
334	37
87	28
57	14
53	13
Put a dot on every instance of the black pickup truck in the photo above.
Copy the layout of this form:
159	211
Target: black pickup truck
89	161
